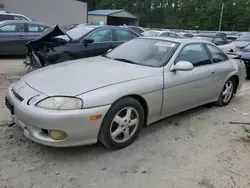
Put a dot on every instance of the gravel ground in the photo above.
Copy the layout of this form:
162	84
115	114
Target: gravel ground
198	148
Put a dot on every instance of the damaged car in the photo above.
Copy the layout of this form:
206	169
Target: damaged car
239	44
57	46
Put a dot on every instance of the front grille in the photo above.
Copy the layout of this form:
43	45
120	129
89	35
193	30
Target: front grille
17	96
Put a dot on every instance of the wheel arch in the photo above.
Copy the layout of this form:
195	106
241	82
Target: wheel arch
142	102
236	79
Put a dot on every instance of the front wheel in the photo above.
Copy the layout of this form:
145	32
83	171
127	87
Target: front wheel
227	93
122	124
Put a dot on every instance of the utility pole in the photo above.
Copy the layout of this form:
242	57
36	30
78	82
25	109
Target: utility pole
221	15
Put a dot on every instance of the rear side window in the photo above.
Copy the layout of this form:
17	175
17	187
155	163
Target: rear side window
217	54
136	29
123	35
219	41
194	53
36	28
6	17
165	34
15	27
19	18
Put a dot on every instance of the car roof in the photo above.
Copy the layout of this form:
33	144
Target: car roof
179	40
210	36
13	14
23	21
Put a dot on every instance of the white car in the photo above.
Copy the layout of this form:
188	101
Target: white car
237	45
156	33
12	16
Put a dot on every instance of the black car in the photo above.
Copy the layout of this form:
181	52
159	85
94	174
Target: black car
82	41
14	34
245	57
217	40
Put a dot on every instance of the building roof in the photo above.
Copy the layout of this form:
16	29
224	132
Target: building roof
105	12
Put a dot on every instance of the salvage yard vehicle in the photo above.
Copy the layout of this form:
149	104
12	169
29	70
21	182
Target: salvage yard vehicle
12	16
240	43
216	39
14	34
110	98
57	46
244	55
156	33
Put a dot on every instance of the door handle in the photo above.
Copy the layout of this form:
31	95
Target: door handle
213	73
21	37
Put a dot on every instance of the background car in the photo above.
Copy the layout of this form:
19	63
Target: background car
110	98
12	16
155	33
137	29
231	38
239	44
216	39
78	42
14	34
245	57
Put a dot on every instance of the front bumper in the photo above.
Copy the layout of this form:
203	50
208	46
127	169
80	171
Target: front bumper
35	122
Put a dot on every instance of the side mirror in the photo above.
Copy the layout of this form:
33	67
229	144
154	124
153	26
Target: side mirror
182	66
109	50
88	41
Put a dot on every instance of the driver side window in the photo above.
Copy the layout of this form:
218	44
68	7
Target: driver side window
195	54
103	35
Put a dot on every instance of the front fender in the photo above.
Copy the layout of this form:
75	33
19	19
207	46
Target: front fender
150	88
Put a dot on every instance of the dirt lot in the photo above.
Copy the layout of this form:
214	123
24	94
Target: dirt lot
198	148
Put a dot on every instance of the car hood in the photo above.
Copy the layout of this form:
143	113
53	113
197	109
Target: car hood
48	35
84	75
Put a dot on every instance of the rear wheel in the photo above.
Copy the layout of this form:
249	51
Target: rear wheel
227	93
122	124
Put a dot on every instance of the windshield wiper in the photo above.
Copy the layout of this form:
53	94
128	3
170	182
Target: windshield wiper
125	60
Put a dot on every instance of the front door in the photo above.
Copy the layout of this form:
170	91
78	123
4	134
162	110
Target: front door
12	39
103	41
186	89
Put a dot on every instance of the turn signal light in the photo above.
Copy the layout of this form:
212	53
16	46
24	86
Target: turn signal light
95	117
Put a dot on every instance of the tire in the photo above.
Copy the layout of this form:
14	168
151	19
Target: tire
64	59
125	130
221	101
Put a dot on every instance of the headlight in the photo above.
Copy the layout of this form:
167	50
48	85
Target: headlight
61	103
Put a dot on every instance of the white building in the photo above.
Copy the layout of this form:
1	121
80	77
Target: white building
61	12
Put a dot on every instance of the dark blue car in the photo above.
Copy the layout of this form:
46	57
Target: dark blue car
14	34
245	56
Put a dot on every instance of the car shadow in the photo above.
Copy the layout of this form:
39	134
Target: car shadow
7	57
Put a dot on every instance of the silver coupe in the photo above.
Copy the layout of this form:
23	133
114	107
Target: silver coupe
110	98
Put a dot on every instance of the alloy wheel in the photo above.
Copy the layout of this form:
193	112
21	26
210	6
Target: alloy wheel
124	125
227	91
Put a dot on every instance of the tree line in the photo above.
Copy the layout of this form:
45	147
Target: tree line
184	14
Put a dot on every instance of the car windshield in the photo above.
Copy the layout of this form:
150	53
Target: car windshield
77	32
244	37
151	33
205	38
147	52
